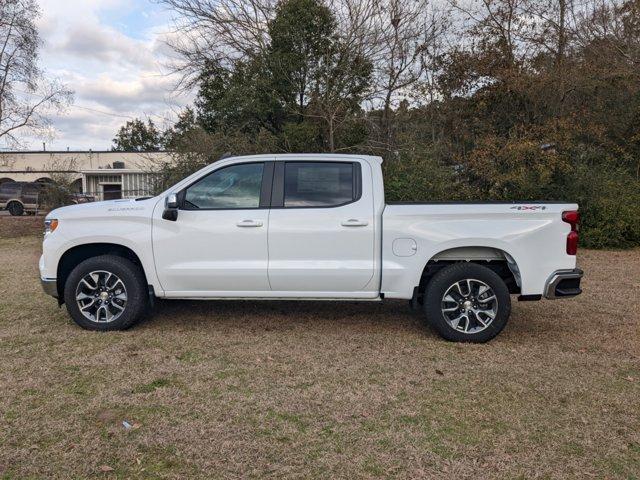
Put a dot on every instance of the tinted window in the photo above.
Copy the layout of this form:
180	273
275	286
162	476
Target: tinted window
30	189
322	184
236	186
11	188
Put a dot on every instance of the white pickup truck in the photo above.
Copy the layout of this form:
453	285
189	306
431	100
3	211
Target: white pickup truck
308	227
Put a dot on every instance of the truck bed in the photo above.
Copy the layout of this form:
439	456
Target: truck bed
531	236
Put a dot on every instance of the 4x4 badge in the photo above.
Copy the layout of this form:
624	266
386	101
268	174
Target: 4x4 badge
528	207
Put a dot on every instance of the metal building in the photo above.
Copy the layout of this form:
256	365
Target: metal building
106	175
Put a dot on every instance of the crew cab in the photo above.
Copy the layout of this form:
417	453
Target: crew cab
312	226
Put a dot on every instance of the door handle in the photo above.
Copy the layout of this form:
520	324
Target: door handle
352	222
249	223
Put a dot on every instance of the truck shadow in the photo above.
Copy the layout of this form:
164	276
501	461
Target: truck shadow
286	315
318	316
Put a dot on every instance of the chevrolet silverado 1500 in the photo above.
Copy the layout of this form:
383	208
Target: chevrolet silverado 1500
308	227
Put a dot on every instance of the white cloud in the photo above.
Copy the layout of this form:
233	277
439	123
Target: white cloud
143	92
111	53
107	46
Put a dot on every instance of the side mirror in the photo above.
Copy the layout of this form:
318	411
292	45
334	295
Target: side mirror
171	201
170	207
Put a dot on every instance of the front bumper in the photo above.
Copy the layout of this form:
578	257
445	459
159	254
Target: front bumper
563	284
50	286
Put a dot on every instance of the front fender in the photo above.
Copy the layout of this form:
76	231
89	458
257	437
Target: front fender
132	233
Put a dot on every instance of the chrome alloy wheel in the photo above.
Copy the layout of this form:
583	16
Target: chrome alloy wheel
469	306
101	296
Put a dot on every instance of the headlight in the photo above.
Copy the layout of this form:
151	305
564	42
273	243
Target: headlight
50	224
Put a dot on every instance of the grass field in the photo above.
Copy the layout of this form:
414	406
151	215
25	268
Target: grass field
320	390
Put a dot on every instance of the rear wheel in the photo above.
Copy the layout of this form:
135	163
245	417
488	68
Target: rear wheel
106	293
15	208
466	302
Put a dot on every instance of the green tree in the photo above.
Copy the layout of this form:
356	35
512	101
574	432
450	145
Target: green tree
175	135
136	136
307	74
301	33
238	99
319	76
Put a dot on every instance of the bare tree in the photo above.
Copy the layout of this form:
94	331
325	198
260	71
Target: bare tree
409	30
216	32
347	66
339	89
63	173
25	95
498	26
612	30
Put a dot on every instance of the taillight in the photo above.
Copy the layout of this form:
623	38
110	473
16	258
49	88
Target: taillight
572	217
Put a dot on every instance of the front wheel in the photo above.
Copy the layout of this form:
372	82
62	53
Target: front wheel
106	293
466	302
15	209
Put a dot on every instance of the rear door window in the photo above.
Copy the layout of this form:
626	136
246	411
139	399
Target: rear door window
319	184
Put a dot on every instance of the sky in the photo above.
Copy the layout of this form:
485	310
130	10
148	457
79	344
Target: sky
111	53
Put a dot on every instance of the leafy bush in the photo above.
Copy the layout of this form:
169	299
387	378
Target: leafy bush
514	169
412	179
609	205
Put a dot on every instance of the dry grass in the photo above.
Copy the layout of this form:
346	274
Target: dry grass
11	227
275	389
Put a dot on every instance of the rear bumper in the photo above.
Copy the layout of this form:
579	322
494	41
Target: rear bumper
563	284
50	286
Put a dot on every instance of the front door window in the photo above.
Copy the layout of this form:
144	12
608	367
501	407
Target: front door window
233	187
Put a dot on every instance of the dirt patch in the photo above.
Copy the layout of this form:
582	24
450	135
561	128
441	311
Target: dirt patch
321	390
13	227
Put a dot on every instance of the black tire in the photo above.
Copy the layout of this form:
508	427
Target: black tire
15	209
134	282
447	278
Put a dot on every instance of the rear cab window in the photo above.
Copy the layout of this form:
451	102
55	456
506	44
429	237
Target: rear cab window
320	184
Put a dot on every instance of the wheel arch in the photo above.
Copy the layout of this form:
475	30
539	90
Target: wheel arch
14	200
494	258
74	255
